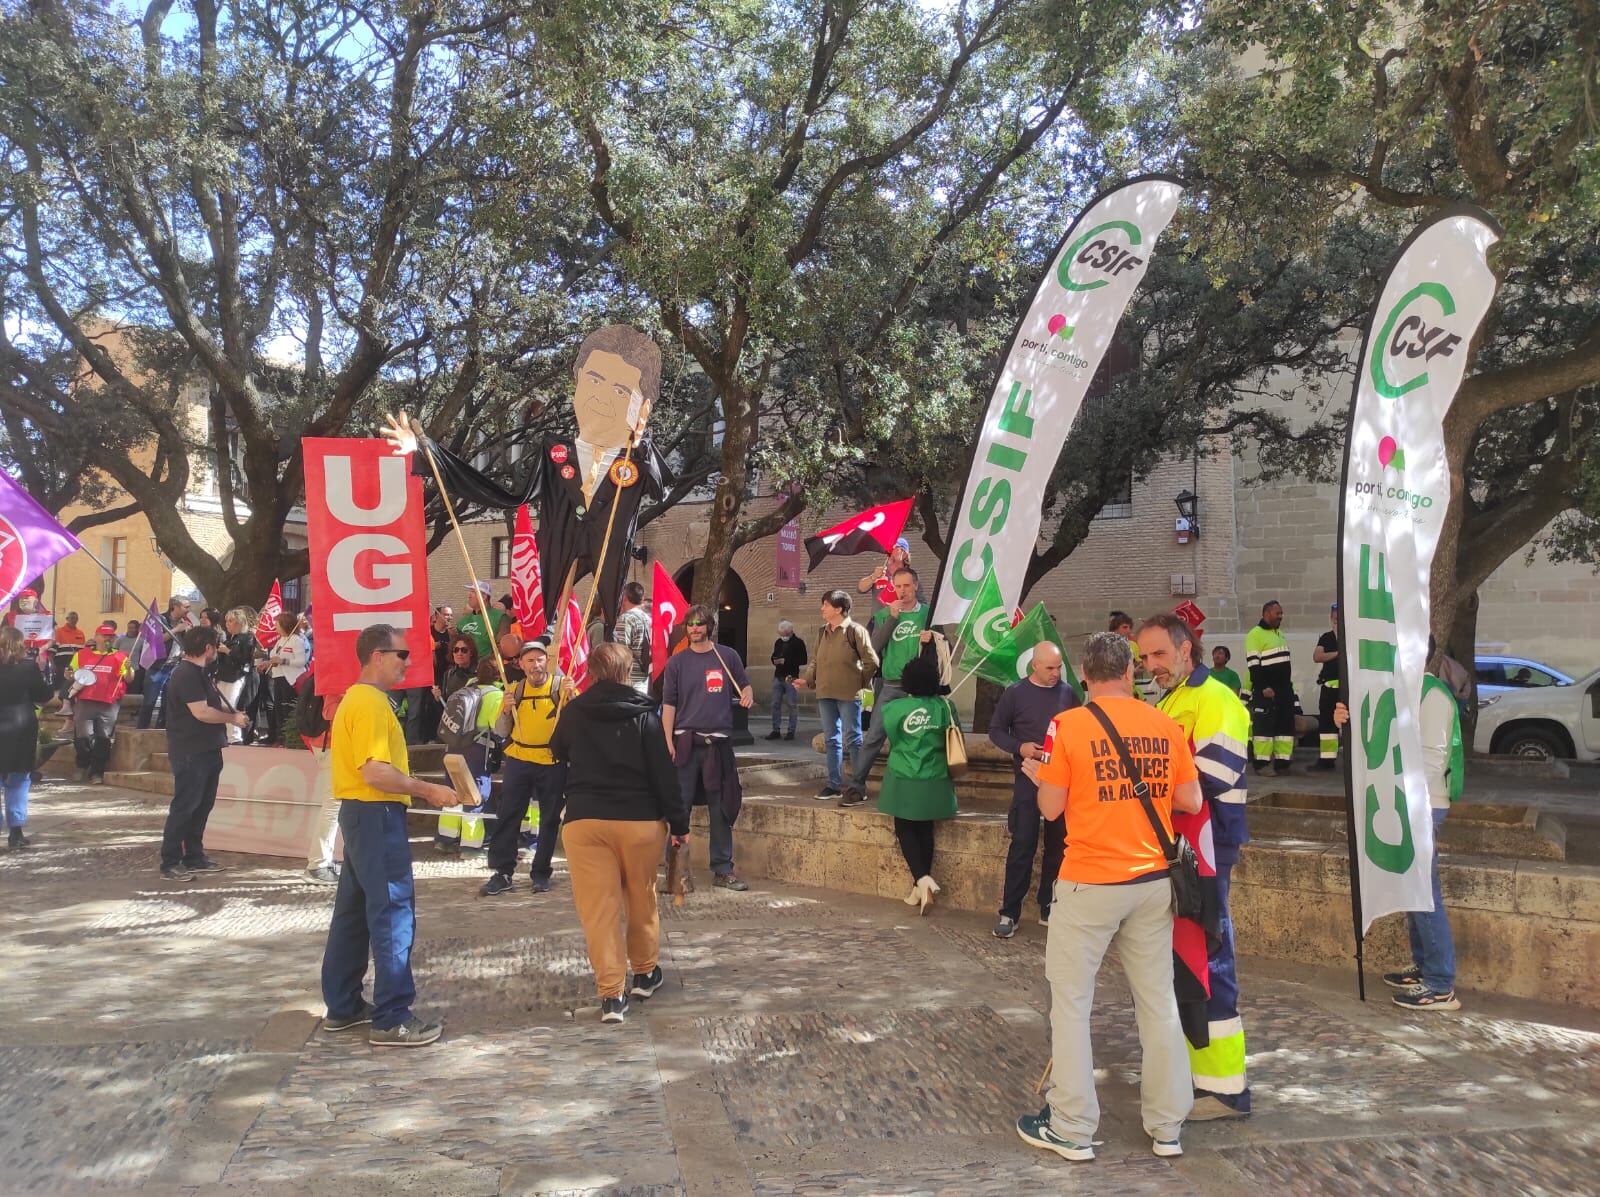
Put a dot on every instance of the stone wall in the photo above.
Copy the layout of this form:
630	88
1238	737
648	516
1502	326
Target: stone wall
1525	929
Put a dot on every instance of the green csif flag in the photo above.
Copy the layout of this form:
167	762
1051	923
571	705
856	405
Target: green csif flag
986	627
1034	627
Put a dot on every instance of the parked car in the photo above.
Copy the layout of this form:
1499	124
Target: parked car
1496	675
1561	719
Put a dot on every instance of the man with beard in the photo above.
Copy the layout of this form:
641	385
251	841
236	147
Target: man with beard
1217	726
527	721
698	690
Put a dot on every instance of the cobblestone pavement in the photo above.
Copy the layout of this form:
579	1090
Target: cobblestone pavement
163	1039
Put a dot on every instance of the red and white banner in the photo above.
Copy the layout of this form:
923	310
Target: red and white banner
526	583
369	559
667	606
267	625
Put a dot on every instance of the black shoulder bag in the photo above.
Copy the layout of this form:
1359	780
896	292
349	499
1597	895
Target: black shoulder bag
1183	869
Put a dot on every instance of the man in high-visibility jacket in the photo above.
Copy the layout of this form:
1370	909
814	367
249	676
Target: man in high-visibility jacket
1218	726
1266	654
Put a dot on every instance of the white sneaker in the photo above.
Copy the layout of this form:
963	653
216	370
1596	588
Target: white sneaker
1166	1148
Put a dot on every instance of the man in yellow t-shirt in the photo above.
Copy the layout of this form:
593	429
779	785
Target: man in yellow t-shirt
527	719
374	910
1113	886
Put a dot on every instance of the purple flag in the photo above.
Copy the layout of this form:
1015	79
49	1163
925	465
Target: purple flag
152	643
31	540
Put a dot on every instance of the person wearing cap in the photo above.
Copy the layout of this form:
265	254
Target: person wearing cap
527	720
484	621
881	580
32	620
95	702
1326	654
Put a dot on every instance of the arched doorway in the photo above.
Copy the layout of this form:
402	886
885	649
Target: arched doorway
733	609
733	630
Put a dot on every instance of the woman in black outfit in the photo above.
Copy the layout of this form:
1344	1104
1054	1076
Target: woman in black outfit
22	690
623	801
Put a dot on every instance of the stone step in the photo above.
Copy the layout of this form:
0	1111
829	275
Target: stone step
144	780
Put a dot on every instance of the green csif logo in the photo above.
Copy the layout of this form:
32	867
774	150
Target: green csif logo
1100	254
1407	335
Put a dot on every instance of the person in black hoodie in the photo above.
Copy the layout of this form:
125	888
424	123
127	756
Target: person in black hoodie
623	799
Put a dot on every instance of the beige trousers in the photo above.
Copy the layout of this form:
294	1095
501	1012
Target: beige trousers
1084	921
613	864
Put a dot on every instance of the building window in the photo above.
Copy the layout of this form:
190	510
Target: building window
114	550
1120	504
500	557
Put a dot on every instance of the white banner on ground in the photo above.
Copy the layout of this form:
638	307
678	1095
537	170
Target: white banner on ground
1053	358
1396	490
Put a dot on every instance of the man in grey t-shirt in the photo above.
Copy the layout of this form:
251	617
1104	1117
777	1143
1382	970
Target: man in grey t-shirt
698	689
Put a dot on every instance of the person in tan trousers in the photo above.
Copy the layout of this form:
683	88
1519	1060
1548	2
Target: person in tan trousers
623	801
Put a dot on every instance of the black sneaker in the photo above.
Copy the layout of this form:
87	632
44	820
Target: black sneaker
644	984
204	865
1006	927
729	881
853	797
1282	769
773	736
788	735
826	793
176	873
411	1033
614	1009
16	839
499	884
1406	978
539	885
360	1018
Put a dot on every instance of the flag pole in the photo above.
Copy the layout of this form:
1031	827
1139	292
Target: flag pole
461	540
107	571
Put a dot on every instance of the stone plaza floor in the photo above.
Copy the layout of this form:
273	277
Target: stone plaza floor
161	1038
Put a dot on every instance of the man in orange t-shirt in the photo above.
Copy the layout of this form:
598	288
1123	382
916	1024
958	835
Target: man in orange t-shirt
1113	887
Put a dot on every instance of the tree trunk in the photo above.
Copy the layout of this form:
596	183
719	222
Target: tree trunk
721	538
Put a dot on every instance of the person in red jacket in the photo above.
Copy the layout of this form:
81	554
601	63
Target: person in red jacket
99	680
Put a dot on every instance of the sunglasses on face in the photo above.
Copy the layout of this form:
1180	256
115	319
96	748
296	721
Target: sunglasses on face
695	623
403	653
461	650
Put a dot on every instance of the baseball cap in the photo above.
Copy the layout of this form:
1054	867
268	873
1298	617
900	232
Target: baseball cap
28	594
106	629
903	543
541	643
481	587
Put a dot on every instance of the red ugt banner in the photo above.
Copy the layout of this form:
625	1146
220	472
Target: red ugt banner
369	559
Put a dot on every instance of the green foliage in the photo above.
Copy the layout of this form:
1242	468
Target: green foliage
1375	114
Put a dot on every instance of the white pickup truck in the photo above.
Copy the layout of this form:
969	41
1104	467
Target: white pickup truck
1544	722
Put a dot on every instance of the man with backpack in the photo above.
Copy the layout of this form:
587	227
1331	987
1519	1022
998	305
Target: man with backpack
467	728
527	719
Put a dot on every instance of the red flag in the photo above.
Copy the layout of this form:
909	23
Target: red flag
267	625
873	530
667	606
525	577
572	657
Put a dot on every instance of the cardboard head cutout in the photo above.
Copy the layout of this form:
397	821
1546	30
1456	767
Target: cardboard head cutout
617	379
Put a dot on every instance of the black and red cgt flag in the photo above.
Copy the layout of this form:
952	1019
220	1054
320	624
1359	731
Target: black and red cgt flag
871	531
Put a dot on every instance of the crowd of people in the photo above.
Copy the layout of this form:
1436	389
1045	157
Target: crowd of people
1147	765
